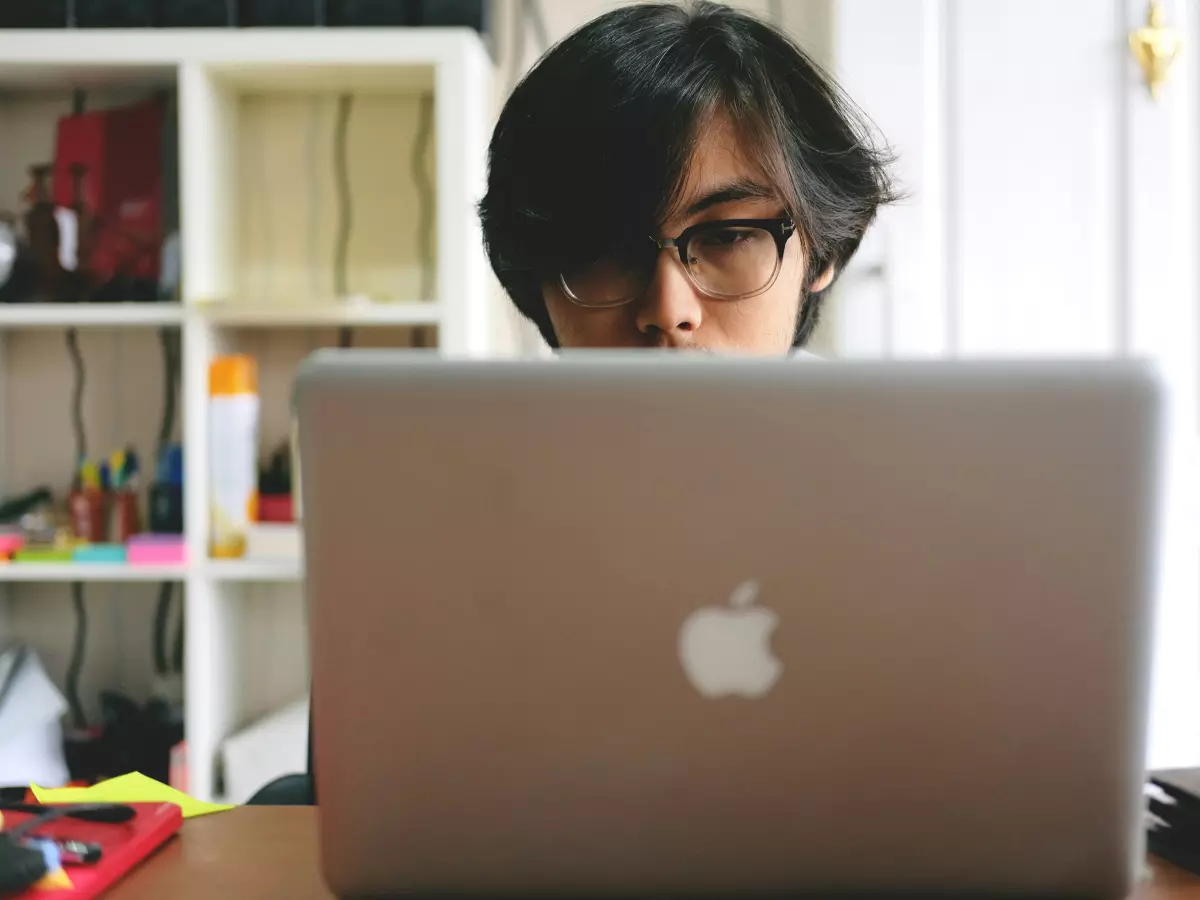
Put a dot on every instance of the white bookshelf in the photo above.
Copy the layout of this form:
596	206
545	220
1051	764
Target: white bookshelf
90	315
256	109
245	571
66	572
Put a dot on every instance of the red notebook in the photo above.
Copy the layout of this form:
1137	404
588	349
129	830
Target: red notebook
123	847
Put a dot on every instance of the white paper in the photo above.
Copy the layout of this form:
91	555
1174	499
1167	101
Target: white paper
30	726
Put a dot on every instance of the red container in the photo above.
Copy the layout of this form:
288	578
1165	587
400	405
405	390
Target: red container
275	508
89	515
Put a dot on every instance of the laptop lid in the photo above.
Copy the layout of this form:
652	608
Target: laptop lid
612	625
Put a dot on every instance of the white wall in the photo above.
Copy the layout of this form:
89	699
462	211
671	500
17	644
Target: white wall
1052	212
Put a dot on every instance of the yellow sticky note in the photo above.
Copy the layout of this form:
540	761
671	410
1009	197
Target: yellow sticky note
132	788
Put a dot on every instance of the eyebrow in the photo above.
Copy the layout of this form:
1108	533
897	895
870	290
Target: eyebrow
743	189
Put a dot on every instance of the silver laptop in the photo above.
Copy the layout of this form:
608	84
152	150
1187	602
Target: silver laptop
613	625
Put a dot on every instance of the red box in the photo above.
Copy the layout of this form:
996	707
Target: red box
121	150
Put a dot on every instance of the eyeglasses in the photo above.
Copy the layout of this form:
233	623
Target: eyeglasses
731	259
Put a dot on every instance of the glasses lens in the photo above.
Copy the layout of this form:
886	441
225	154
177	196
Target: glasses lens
615	278
733	261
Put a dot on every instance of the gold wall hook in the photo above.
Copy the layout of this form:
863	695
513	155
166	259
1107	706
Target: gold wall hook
1156	46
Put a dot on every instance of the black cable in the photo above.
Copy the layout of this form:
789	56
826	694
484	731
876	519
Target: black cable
341	174
177	650
20	655
426	198
77	395
75	668
169	339
162	616
108	813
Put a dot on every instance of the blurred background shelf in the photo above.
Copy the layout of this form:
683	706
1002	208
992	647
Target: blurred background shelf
64	572
90	315
341	315
299	166
251	570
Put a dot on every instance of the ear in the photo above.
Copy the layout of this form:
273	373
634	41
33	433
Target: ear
822	281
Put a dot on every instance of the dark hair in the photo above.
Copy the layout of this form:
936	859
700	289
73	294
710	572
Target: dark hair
594	143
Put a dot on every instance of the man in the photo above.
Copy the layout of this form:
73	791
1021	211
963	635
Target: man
677	177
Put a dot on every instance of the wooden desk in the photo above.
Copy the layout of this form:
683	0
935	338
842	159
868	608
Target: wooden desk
264	853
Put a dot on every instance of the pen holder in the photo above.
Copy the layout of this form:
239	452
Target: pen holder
89	515
126	520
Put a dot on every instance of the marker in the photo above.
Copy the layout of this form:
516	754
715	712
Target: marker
78	853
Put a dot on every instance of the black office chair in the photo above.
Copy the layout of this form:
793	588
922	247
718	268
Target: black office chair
290	790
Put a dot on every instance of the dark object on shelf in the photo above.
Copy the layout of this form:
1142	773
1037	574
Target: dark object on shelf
21	282
166	508
166	491
276	476
280	13
109	169
117	13
373	13
16	508
133	738
33	13
476	14
139	738
275	486
86	755
287	790
51	281
197	13
1176	835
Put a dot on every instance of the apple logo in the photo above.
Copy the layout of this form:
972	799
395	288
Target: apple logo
725	651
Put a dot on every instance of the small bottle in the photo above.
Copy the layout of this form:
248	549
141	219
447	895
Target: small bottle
233	410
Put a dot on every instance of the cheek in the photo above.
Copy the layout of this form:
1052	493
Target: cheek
767	323
578	327
792	268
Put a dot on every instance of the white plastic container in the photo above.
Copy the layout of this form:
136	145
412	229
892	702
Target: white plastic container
233	412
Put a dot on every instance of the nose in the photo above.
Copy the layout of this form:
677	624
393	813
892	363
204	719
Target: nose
670	311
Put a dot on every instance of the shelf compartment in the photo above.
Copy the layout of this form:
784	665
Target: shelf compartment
320	181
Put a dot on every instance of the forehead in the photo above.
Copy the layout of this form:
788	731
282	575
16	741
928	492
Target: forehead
720	157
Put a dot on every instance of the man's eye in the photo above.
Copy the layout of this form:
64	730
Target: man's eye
726	237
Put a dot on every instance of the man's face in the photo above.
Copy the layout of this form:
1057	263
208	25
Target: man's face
674	313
